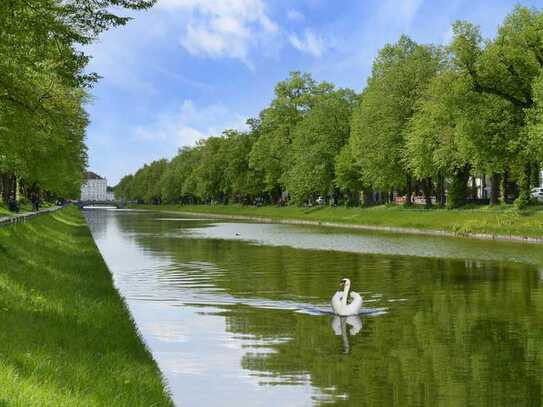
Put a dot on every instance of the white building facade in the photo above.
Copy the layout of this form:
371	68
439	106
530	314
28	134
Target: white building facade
94	188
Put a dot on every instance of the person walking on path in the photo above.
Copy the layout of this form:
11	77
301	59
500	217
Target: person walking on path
35	199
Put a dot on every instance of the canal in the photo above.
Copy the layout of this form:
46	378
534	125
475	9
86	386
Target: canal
238	313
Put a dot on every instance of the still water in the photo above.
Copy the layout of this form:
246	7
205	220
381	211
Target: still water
237	313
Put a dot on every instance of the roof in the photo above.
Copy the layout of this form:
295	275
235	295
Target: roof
92	175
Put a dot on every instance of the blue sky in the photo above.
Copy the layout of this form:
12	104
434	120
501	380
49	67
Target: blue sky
187	69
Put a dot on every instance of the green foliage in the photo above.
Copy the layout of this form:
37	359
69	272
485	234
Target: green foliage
349	175
400	75
458	188
271	154
318	138
216	169
508	68
43	89
426	116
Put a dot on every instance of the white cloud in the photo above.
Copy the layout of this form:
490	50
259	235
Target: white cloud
188	124
295	15
227	28
399	13
309	43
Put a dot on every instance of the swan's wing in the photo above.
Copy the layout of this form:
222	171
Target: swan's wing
336	301
336	325
356	303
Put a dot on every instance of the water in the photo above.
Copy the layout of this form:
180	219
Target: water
237	313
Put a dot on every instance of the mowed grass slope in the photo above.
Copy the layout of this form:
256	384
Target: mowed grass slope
66	337
502	220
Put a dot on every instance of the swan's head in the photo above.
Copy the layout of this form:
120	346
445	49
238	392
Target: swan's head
345	282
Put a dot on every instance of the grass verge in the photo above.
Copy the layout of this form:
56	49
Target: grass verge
502	220
23	207
66	337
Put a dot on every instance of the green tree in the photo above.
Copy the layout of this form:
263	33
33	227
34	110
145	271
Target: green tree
349	177
270	155
317	140
507	67
42	88
242	182
400	74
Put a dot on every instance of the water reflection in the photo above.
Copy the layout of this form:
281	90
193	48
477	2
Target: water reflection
345	327
245	321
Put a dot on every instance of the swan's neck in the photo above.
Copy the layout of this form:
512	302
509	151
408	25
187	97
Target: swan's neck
345	293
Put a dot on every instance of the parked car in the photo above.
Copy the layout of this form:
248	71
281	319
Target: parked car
537	193
320	200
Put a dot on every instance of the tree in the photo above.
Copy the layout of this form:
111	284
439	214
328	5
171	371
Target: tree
270	155
507	67
400	74
42	89
456	130
535	122
317	140
349	176
241	181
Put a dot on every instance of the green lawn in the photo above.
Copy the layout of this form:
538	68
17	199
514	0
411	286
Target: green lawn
66	337
502	220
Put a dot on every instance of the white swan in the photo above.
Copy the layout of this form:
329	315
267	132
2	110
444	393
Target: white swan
339	300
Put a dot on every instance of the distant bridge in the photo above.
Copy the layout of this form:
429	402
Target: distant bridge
116	204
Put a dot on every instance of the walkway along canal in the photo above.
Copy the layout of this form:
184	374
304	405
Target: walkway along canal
23	217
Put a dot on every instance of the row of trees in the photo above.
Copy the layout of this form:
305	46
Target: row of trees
429	118
43	89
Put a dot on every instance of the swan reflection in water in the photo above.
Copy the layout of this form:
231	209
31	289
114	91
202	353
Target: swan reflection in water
346	326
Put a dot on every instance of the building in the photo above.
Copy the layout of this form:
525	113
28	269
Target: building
110	194
94	188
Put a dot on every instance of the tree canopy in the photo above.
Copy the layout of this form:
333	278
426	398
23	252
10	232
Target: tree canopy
43	89
430	119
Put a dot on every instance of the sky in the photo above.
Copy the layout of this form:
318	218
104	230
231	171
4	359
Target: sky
188	69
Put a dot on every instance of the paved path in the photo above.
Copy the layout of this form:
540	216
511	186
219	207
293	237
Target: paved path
23	217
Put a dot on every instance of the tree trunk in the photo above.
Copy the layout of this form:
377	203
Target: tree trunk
536	169
495	189
525	187
427	187
8	187
409	188
441	198
368	197
458	188
509	190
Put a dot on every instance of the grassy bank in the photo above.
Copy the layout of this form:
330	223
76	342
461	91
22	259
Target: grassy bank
23	207
504	220
66	337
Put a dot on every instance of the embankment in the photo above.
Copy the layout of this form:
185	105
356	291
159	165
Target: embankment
498	223
66	336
